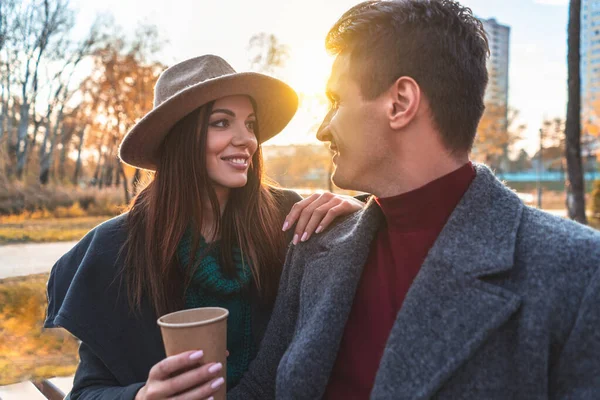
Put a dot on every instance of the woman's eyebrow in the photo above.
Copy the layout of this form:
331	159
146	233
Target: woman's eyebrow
224	111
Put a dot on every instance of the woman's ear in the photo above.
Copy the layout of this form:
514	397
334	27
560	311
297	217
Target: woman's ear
404	100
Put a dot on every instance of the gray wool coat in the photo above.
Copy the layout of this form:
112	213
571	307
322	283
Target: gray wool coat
505	306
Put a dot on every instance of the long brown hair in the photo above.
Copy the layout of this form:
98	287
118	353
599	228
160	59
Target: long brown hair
175	201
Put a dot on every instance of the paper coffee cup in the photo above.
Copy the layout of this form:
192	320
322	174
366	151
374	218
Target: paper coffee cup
198	329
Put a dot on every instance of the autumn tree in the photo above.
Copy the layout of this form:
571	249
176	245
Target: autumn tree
267	54
117	94
497	132
39	28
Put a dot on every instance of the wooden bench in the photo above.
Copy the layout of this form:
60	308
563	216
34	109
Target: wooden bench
49	390
37	390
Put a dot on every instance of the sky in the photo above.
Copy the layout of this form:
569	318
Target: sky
538	45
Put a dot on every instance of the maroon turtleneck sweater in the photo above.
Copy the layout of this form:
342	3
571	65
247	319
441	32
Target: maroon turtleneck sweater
413	222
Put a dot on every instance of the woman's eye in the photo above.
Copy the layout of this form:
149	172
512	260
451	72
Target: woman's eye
222	123
251	125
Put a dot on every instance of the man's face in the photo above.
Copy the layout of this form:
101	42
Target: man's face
354	127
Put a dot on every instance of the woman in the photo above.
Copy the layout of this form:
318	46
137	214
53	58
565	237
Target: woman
207	231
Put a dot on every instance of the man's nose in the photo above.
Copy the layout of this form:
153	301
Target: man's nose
323	133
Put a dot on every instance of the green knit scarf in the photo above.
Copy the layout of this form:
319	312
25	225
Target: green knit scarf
210	288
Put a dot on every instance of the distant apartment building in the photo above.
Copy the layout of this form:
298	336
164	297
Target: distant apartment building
590	72
499	42
496	95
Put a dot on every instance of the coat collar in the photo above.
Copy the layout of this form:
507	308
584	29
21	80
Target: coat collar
478	239
449	310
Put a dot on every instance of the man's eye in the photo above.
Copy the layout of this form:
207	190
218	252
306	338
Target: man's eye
333	104
251	125
222	123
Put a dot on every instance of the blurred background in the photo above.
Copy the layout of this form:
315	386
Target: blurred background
76	75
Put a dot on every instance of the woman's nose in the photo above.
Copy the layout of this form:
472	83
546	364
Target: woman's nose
243	136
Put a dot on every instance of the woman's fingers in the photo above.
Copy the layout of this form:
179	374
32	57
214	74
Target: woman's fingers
317	216
176	376
170	365
206	391
317	209
198	383
323	217
297	210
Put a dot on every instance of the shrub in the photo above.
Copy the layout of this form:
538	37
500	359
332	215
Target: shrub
35	201
596	201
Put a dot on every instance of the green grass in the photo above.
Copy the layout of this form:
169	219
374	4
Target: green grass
47	230
27	351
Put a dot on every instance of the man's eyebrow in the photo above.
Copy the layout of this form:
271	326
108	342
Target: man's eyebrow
331	94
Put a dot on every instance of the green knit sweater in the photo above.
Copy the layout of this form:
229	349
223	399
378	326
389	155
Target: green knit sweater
210	288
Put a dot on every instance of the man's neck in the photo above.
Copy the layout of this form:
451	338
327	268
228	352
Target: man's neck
408	174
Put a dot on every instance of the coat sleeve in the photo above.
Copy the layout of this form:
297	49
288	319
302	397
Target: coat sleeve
577	372
93	380
259	381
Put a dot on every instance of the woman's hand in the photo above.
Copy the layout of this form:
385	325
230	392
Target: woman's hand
182	377
315	213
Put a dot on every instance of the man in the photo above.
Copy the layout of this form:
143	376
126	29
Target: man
445	286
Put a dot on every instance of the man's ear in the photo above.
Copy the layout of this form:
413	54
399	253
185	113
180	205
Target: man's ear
404	101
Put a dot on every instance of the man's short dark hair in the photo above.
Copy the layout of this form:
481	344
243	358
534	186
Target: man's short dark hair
438	43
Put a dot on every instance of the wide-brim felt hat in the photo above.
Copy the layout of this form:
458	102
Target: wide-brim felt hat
192	83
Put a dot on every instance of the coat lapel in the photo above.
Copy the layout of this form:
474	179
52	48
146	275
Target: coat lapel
329	282
449	311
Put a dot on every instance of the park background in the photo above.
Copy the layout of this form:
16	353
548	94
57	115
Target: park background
76	75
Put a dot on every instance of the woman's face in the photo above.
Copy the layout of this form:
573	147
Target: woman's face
230	142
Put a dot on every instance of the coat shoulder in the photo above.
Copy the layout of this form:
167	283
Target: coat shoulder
560	239
556	261
92	263
286	198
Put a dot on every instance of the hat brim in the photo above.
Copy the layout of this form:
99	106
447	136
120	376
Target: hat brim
276	104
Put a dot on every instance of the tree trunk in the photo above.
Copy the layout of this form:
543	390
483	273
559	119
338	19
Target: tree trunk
61	162
118	176
102	171
22	141
108	180
575	184
4	112
125	186
10	147
46	162
97	175
8	124
78	163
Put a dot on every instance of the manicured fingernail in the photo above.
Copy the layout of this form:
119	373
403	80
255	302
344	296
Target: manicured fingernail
211	398
295	241
304	237
217	383
197	355
285	226
215	368
319	229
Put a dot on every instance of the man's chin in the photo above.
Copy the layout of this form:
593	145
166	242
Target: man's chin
339	181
